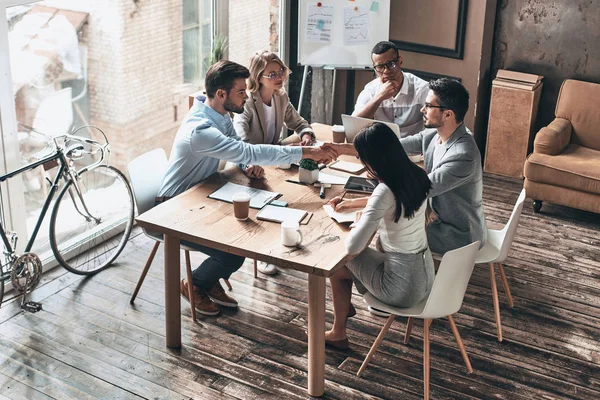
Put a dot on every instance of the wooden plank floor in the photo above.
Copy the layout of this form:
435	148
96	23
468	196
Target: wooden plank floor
89	342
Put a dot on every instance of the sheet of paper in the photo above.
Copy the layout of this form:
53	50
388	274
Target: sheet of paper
346	166
280	214
356	25
332	179
340	217
319	21
258	197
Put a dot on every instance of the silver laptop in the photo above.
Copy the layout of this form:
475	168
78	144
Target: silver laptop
353	125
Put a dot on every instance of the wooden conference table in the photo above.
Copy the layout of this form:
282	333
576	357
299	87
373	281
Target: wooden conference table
194	217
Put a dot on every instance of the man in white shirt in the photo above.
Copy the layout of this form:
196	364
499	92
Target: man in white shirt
394	96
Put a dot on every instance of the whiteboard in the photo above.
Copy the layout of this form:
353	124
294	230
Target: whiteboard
341	33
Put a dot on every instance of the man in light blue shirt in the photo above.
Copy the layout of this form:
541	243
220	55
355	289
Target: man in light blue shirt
205	137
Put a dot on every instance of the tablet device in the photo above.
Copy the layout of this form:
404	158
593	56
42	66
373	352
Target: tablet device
360	184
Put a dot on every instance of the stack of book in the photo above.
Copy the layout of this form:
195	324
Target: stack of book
517	80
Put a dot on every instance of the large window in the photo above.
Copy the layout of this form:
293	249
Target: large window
197	35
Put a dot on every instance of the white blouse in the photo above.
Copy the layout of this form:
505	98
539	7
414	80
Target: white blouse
404	236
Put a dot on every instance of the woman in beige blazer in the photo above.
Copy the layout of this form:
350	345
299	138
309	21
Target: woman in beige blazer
268	110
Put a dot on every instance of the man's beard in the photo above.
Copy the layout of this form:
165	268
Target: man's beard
229	106
430	124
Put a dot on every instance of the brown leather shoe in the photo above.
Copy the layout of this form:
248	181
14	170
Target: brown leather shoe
204	305
218	295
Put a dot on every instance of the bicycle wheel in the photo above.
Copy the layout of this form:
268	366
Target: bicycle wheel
85	245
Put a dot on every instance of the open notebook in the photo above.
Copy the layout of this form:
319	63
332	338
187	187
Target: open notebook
258	198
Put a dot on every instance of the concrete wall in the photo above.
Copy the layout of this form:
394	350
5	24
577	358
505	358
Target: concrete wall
558	40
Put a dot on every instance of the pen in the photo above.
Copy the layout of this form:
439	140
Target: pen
322	191
343	194
296	182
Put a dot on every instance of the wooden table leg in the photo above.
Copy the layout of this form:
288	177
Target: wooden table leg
316	335
172	299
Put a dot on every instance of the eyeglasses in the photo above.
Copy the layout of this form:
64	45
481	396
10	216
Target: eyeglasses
428	106
274	75
390	65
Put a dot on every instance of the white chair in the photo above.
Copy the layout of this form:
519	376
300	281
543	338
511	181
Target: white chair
145	174
445	299
495	251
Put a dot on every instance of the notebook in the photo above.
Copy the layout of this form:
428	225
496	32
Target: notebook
258	198
280	214
345	166
340	217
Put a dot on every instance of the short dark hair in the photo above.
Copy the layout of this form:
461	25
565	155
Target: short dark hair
222	75
452	95
384	46
380	150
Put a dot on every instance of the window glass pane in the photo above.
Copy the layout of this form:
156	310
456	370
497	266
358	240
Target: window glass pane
191	50
190	12
253	27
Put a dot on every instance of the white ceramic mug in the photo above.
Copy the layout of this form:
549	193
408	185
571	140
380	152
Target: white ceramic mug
290	234
284	166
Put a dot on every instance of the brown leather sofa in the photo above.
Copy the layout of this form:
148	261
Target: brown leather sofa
564	167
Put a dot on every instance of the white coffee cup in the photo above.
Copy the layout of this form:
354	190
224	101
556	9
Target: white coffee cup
338	134
290	234
284	166
241	205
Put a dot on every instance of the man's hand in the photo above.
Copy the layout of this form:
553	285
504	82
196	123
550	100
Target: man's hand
388	90
307	139
322	154
254	172
341	148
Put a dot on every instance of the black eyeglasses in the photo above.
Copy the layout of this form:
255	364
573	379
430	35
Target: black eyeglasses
390	65
428	106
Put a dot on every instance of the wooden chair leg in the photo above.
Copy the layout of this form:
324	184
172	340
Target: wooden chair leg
461	346
188	270
426	325
409	325
496	301
144	272
228	284
378	341
255	269
505	284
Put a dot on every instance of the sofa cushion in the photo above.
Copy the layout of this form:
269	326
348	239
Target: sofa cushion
577	168
578	102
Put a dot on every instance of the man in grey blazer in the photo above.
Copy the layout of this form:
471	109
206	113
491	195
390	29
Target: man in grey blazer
453	163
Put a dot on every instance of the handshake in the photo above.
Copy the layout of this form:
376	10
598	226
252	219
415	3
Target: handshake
323	154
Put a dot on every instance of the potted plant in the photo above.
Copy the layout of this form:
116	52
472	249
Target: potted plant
308	171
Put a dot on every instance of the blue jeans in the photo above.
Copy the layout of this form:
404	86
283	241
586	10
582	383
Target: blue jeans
218	265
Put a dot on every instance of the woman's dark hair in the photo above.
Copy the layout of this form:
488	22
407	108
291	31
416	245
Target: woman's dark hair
380	150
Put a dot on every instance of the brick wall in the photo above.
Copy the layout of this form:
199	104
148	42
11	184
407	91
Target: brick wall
135	72
249	29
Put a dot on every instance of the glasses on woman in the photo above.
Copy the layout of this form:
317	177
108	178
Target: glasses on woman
275	75
390	65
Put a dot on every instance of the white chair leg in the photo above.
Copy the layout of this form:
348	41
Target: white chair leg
461	346
378	341
426	362
409	325
496	302
188	270
144	272
505	284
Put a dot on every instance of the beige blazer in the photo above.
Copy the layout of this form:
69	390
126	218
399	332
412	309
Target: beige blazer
251	125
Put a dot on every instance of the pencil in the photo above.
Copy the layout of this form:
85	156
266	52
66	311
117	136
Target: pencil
343	194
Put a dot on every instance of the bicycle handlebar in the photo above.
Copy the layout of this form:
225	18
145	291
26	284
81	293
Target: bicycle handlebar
103	149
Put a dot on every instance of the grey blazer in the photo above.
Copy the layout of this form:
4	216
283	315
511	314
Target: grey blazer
456	195
251	125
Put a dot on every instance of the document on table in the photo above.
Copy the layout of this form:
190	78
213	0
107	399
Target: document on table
280	214
258	198
345	166
340	217
332	179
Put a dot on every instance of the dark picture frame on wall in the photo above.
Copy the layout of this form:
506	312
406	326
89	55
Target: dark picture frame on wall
459	45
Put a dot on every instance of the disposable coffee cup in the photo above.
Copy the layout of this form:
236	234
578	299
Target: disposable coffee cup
241	205
290	234
338	133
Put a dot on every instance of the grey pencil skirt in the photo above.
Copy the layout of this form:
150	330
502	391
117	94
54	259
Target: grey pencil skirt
397	279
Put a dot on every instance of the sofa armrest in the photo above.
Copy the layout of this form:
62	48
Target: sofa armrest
553	138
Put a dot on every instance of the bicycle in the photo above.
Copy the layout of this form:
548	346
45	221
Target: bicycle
87	232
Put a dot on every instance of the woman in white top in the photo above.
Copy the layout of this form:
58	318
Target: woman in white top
267	111
400	272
